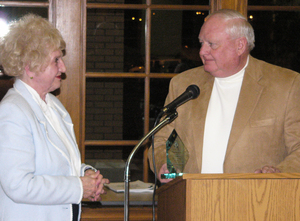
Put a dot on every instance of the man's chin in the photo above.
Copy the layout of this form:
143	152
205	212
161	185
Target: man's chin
208	69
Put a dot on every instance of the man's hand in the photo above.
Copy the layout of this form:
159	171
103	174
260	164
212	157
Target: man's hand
267	169
163	170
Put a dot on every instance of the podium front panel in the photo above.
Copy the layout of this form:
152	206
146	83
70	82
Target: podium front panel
231	198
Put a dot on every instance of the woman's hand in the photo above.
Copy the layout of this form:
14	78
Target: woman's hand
93	185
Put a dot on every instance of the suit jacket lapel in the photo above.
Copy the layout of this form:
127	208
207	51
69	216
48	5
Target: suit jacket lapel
67	127
50	132
200	116
249	96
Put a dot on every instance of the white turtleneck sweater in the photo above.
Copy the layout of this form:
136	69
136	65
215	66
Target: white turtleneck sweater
219	118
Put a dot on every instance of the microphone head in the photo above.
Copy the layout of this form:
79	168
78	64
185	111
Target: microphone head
193	90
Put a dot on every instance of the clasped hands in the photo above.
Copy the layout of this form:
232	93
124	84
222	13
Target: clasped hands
93	185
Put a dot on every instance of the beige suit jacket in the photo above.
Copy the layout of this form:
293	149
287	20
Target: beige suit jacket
266	125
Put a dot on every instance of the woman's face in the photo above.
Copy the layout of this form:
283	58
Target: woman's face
50	78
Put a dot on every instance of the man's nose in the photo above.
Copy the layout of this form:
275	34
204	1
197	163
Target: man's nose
204	49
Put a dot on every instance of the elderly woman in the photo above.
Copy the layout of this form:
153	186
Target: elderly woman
41	174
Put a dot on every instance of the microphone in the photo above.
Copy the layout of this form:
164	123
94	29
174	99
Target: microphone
191	92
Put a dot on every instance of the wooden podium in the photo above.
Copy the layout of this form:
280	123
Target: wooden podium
231	197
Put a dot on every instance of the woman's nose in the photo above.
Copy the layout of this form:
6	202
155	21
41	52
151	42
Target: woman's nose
62	66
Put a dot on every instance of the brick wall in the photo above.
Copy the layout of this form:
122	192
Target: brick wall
104	110
104	97
105	40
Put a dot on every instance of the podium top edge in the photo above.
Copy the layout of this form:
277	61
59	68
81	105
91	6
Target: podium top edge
242	176
227	176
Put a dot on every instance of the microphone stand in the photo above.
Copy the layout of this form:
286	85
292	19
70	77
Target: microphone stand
168	119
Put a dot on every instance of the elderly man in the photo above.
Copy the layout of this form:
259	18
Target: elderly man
247	117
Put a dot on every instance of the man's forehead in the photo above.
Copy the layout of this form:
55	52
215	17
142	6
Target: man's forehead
212	31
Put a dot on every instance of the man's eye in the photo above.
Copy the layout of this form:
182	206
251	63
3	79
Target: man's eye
213	45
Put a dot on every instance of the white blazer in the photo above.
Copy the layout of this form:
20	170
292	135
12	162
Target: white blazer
34	164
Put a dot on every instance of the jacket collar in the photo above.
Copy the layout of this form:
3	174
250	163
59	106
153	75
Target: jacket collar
23	91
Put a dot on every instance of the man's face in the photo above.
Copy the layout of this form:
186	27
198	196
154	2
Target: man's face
218	51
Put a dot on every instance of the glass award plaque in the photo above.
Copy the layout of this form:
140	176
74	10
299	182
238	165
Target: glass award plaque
177	156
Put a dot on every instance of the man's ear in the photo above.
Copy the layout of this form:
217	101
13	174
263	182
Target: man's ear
241	45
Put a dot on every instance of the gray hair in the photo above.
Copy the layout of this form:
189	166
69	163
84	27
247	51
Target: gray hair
30	41
239	28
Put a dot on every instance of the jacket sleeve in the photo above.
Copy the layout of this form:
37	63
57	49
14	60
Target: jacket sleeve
19	176
160	139
85	167
291	163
